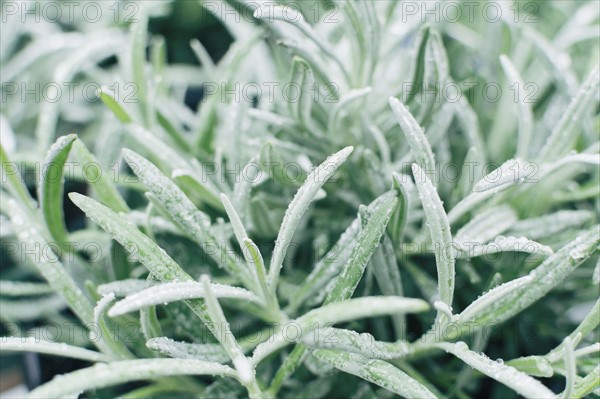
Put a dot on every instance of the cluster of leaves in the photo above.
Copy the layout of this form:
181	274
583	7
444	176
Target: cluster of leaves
221	255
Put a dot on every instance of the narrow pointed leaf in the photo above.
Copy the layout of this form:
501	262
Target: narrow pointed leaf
486	225
177	291
51	187
182	211
503	244
112	104
18	288
540	280
240	361
373	223
105	375
524	113
439	229
419	146
49	265
514	379
299	206
185	350
351	341
537	366
124	287
587	384
564	134
161	265
375	371
31	344
101	183
587	325
339	312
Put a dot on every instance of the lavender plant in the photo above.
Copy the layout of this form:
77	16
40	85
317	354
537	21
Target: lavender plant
350	212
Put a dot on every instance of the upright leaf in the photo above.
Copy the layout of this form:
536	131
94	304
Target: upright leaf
51	188
524	113
373	223
564	134
419	146
102	184
48	264
299	206
439	229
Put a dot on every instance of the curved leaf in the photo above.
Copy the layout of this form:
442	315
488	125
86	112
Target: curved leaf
376	371
51	187
171	292
507	375
105	375
299	206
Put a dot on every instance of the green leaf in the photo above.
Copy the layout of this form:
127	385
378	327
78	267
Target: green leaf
299	206
376	371
18	288
419	66
540	281
524	113
31	309
138	244
251	252
373	223
419	146
203	191
51	188
204	57
48	264
330	265
551	224
587	325
280	13
338	111
182	211
124	287
242	364
441	237
102	184
254	258
564	133
184	350
339	312
105	375
32	344
486	225
509	173
537	366
387	273
502	244
351	341
108	99
177	291
14	181
488	300
570	368
301	109
176	136
514	379
169	158
587	384
139	38
403	185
